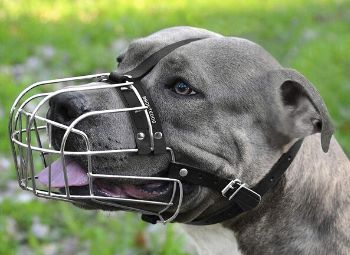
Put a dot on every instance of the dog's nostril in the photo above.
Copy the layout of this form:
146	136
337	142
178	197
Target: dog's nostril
67	107
64	113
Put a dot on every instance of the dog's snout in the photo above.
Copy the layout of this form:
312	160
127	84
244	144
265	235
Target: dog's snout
65	108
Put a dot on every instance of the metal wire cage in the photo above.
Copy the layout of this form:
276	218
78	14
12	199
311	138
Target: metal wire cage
30	135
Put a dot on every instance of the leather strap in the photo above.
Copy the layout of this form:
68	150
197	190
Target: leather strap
277	171
139	120
270	180
245	196
244	199
147	65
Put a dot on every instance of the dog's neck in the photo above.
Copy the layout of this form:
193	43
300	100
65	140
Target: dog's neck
307	213
213	239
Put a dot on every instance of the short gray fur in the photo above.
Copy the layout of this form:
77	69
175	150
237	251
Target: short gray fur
248	111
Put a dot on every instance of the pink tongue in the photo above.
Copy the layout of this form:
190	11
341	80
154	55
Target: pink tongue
76	176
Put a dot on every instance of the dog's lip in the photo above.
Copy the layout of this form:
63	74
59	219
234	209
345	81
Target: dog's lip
77	177
144	191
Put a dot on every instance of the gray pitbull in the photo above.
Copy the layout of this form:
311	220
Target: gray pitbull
228	107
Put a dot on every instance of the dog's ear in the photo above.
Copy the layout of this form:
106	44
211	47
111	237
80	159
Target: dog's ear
303	110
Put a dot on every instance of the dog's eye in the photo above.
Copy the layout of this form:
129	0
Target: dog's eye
183	88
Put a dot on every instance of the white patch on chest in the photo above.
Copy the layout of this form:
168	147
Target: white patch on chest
213	239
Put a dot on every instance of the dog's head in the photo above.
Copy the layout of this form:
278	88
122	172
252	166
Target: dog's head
225	104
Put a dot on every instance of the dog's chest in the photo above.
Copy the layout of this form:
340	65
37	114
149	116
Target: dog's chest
213	240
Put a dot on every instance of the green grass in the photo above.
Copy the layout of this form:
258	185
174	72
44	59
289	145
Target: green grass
311	36
104	234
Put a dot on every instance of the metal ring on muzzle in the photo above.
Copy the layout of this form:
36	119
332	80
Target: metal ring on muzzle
30	135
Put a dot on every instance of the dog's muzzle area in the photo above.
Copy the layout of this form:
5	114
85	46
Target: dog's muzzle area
77	143
107	132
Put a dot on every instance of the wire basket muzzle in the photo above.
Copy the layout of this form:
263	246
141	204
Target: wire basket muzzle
49	170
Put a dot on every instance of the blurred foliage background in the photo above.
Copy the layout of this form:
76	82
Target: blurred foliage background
50	39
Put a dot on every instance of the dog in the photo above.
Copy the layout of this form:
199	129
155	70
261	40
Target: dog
228	107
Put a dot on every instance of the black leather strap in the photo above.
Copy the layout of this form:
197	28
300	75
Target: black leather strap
277	171
147	65
159	141
245	198
139	120
248	198
266	184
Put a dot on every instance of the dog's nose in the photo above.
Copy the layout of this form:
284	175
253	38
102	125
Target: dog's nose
65	108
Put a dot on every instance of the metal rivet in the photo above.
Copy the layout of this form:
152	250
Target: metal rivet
158	135
140	136
183	172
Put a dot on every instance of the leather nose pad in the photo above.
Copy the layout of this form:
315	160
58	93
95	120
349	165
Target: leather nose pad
65	108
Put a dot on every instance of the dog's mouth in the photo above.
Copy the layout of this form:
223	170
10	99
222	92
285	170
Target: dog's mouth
78	181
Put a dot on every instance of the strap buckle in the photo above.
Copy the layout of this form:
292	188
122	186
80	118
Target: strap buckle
231	186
